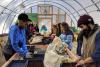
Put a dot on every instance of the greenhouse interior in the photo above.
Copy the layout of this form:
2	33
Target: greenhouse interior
49	33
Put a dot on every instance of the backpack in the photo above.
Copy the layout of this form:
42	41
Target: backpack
7	48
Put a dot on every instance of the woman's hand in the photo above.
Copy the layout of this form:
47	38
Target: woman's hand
81	62
72	55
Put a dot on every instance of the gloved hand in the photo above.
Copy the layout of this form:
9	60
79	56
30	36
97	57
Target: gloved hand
28	55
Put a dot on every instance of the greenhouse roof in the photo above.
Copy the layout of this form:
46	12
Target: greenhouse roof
10	9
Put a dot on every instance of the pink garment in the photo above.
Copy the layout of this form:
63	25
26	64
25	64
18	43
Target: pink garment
32	29
52	36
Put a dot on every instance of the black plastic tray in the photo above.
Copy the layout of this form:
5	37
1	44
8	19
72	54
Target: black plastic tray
31	48
35	63
36	56
69	64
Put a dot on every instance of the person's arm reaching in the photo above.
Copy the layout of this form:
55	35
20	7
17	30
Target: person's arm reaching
95	57
14	42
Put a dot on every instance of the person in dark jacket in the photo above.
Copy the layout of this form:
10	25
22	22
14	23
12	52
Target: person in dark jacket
91	42
79	43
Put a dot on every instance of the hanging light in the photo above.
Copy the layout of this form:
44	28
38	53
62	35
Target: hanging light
22	5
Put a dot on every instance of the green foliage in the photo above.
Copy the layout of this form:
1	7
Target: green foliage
33	17
74	29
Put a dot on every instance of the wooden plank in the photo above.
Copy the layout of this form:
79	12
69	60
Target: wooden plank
14	57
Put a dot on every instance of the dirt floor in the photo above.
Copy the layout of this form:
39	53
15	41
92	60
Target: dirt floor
2	41
2	59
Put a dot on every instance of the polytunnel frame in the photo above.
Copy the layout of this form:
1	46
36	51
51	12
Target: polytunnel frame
42	1
95	5
51	5
35	0
83	8
62	1
60	5
90	6
57	4
54	6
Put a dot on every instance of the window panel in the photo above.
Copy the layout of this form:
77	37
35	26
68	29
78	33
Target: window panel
17	9
62	18
85	3
54	19
3	18
5	2
8	22
91	8
61	12
1	8
74	23
66	6
74	4
98	5
81	12
14	4
28	10
96	16
96	1
55	10
68	20
6	11
34	9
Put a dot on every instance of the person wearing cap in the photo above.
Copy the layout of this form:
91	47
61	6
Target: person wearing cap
91	42
17	39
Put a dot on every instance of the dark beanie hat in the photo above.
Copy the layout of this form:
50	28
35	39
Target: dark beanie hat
23	17
85	19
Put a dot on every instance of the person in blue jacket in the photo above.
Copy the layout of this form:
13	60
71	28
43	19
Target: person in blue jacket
91	42
17	39
43	29
66	35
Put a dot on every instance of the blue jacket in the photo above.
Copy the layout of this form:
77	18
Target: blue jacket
96	55
67	38
43	28
18	40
